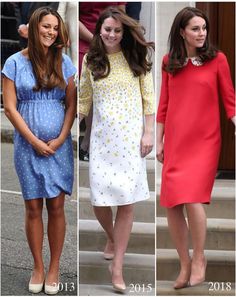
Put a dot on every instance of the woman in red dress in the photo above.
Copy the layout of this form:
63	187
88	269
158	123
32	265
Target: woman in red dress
188	134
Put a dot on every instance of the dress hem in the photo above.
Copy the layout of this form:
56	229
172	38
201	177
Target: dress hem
51	197
119	204
192	202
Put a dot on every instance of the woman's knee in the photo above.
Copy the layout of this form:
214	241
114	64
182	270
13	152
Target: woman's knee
34	209
126	209
178	209
194	207
55	207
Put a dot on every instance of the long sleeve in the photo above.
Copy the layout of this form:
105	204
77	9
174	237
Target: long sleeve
147	92
85	90
226	85
164	98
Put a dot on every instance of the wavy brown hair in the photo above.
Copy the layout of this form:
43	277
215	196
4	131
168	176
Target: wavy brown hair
133	45
47	67
177	51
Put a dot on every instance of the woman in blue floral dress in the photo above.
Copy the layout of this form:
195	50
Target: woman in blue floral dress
40	100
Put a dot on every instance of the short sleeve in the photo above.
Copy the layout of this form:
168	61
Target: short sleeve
226	85
85	89
9	68
164	96
68	67
147	92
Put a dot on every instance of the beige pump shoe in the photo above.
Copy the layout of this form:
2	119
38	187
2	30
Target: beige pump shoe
35	288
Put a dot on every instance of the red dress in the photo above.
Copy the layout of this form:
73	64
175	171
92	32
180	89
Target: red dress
189	110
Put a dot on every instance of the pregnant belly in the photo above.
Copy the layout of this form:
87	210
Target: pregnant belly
44	120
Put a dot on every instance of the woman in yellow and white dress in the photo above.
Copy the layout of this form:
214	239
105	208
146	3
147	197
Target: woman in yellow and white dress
116	77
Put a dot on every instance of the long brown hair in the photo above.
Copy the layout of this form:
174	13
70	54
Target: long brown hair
47	68
177	50
133	45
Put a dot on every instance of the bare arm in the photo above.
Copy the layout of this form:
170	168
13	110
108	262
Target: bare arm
70	102
159	142
148	135
9	101
84	33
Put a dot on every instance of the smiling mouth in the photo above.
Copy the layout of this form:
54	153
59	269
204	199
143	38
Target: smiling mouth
49	38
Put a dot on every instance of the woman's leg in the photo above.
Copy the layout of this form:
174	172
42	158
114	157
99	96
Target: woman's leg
105	218
34	233
122	229
197	225
56	235
179	233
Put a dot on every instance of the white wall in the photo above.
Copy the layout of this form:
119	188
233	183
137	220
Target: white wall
165	14
147	19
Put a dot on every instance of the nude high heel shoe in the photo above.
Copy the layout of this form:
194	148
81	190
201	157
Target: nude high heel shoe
108	255
52	289
182	280
117	287
200	279
35	288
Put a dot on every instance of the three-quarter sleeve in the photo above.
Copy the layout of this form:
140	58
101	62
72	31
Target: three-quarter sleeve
226	86
85	89
164	98
147	92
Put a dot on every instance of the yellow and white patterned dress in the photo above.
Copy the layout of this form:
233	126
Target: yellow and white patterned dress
116	170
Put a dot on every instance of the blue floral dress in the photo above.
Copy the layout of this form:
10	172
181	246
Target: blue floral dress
43	112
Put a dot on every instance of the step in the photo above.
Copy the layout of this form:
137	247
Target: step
144	211
84	174
164	288
94	269
220	265
220	234
93	238
107	290
222	201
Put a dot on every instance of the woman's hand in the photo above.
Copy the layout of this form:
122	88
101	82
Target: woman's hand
54	144
160	151
159	142
146	144
42	148
23	31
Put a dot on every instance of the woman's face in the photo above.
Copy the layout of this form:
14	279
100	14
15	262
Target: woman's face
48	30
111	34
194	33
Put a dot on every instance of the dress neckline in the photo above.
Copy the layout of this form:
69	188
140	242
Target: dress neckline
196	61
24	56
114	54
